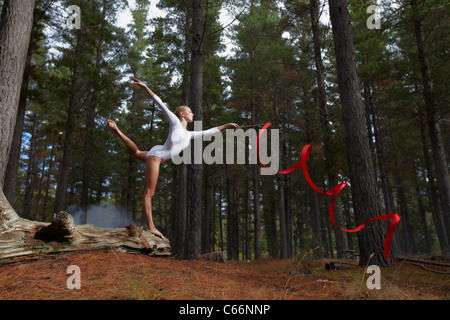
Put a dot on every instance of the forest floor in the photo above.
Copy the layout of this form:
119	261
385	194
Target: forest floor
117	275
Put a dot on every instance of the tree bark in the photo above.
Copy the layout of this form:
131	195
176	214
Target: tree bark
410	239
256	211
315	206
14	157
246	229
359	155
86	170
182	185
206	224
280	183
89	135
74	99
341	236
255	167
182	211
30	175
195	175
48	179
443	179
423	219
232	223
15	29
437	213
379	146
270	221
40	186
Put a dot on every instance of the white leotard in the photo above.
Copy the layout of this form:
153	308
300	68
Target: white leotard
178	138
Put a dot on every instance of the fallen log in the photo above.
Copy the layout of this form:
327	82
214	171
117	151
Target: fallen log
21	237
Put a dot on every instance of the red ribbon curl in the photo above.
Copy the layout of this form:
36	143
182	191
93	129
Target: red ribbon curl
334	192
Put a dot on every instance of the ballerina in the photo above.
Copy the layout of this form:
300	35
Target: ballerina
178	140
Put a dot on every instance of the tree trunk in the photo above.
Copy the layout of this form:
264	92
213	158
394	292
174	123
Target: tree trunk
423	219
256	211
289	219
15	29
246	229
86	170
14	157
206	223
380	157
255	167
436	209
48	179
410	239
30	175
89	136
182	211
183	169
74	99
220	222
195	178
40	186
341	236
443	179
232	223
280	184
270	221
315	207
359	155
282	214
379	147
213	222
348	220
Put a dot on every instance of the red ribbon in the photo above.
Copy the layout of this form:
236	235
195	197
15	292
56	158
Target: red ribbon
334	192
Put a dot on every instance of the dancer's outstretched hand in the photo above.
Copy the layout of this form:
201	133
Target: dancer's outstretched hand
113	126
228	126
232	125
137	83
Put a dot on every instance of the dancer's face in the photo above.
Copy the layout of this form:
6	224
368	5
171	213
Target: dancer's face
188	115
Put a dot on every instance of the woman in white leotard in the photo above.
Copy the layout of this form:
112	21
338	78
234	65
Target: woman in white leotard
177	140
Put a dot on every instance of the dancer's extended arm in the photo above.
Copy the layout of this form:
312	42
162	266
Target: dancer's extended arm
209	132
228	126
173	119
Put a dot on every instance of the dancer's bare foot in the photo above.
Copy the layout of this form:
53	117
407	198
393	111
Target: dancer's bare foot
113	126
155	232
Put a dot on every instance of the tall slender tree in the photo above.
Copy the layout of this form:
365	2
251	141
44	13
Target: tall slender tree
77	92
34	47
330	153
437	145
15	30
359	155
195	175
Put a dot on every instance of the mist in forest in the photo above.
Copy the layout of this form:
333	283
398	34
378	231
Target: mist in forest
106	215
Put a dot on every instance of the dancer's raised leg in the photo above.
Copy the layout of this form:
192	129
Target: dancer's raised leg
131	146
151	178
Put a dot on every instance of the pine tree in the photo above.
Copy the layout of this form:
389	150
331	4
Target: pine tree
15	29
361	167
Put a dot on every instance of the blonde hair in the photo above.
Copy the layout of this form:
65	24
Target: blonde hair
179	110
